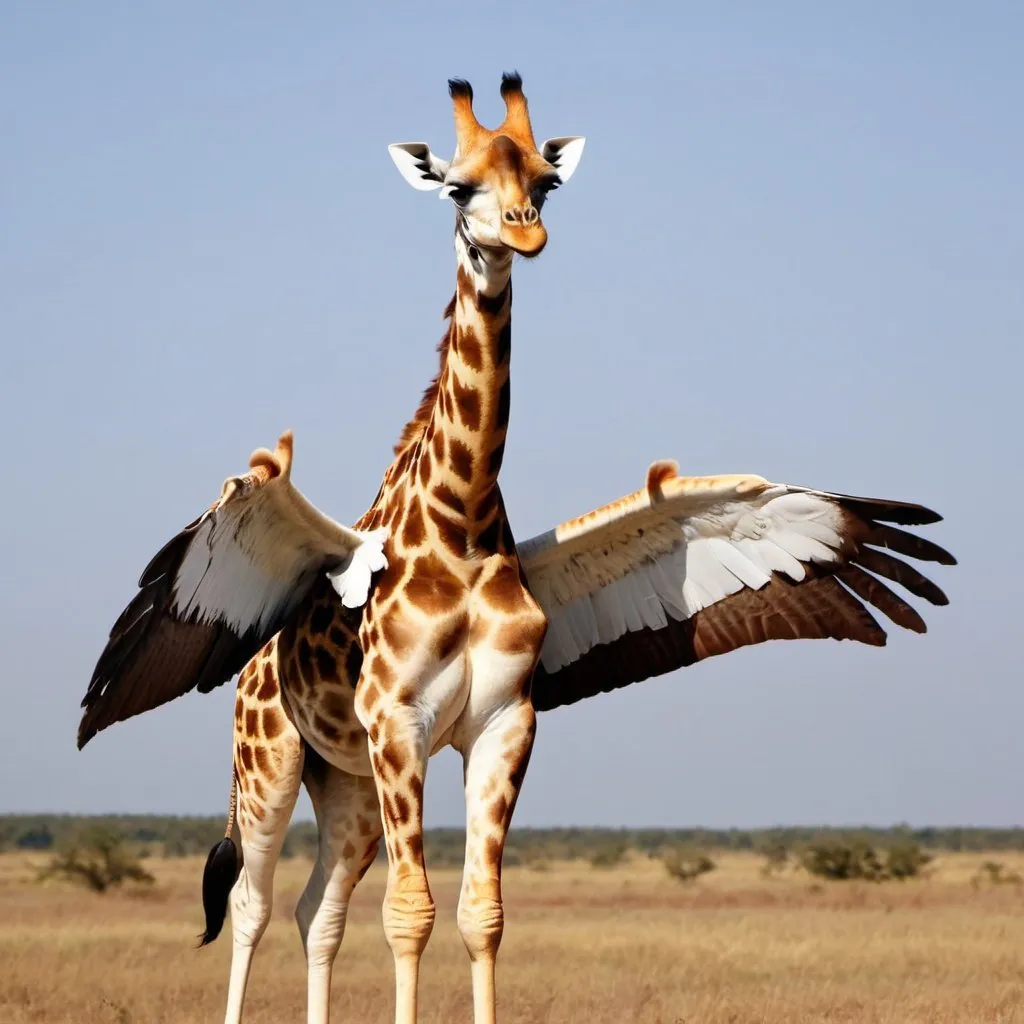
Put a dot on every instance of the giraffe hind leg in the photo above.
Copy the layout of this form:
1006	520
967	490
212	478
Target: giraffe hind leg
349	827
268	761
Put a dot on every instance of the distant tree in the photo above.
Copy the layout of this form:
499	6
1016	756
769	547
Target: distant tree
193	836
99	861
35	837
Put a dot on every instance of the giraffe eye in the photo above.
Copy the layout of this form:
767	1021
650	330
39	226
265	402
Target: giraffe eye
460	195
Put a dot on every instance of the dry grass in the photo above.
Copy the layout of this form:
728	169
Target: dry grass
581	944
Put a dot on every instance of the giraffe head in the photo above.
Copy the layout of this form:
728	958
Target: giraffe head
498	180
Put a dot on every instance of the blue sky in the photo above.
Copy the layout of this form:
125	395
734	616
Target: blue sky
793	247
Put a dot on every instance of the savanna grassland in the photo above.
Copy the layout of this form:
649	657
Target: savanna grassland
582	944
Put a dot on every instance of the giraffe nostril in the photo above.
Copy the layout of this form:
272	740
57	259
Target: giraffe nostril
530	216
509	217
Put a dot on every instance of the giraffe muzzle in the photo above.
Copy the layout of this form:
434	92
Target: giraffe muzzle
526	238
524	215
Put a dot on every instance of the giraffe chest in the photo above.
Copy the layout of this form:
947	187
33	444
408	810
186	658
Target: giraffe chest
453	641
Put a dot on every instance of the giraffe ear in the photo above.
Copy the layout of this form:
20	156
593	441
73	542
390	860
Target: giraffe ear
564	154
418	165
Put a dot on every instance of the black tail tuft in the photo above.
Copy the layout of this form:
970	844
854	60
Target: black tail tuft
219	877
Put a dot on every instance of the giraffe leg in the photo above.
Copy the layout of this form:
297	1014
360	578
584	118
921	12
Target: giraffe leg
399	749
495	760
268	765
348	821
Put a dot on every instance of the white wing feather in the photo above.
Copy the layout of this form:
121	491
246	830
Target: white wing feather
672	549
215	593
256	547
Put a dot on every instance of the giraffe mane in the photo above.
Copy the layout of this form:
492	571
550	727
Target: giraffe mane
418	424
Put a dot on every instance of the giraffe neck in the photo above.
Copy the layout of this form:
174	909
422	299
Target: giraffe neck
464	435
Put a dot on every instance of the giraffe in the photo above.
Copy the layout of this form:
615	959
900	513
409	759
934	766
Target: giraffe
353	705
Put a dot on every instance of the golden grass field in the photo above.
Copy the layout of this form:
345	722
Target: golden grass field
581	945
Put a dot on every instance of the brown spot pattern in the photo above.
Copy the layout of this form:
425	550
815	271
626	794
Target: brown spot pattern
451	535
467	401
499	809
320	620
504	404
504	347
403	811
438	446
521	636
504	590
268	685
380	671
461	458
448	638
432	587
397	634
492	852
264	762
469	348
326	728
447	496
326	666
394	757
336	705
494	460
353	663
273	722
414	532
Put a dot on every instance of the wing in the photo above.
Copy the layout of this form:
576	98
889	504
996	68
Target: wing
215	593
690	567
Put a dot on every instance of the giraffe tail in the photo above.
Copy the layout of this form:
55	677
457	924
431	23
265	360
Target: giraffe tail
220	874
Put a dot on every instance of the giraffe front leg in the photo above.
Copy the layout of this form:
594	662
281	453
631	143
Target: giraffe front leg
348	821
495	760
399	749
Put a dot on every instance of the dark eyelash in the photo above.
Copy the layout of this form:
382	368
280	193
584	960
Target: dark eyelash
461	194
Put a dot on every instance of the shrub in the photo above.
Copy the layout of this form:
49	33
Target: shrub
994	872
776	856
686	865
608	855
905	860
856	859
99	861
843	860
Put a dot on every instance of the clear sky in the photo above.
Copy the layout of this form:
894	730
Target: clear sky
793	248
